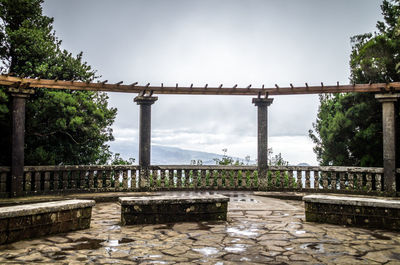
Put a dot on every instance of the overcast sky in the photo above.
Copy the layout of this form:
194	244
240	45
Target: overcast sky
216	41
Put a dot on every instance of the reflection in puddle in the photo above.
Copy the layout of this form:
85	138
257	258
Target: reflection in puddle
250	232
85	243
314	246
207	251
236	248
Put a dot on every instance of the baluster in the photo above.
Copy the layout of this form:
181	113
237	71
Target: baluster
211	179
99	179
28	179
144	179
204	178
235	178
325	180
351	181
65	180
195	178
73	179
290	179
169	179
135	178
187	179
219	179
37	181
91	180
256	179
117	174
333	181
162	178
299	182
378	182
125	180
3	182
316	180
272	174
82	179
282	178
359	181
244	178
227	176
308	181
46	181
107	178
56	183
369	182
342	181
179	178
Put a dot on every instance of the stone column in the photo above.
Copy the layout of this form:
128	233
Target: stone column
145	103
389	139
262	137
19	97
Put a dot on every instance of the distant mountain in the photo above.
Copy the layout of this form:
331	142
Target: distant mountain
303	165
166	155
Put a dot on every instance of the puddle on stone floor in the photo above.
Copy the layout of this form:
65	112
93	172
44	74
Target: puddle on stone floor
85	243
236	248
207	251
92	243
242	232
381	237
59	255
318	247
203	226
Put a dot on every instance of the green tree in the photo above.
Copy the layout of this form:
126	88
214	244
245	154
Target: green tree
62	127
348	129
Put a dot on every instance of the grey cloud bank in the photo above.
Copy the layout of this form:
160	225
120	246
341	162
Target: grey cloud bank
244	42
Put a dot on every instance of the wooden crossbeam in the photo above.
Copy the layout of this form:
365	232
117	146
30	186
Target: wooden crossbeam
7	80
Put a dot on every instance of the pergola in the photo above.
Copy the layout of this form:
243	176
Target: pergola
20	88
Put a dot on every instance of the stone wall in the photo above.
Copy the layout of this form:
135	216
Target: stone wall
353	211
169	209
35	220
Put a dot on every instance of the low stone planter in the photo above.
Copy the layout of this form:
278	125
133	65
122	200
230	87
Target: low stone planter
353	211
40	219
169	209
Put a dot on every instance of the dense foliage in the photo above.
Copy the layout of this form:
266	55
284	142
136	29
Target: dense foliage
348	129
62	127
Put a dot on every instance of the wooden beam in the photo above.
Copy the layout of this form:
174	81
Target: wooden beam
203	90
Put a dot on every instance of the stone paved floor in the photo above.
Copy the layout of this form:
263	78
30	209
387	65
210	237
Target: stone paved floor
259	231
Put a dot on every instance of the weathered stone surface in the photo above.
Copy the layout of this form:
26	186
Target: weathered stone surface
170	209
27	221
353	211
44	207
286	237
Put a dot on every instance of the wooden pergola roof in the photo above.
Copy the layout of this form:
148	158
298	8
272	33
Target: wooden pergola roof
30	83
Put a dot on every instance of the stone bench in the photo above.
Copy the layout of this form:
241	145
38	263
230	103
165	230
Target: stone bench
39	219
353	211
169	209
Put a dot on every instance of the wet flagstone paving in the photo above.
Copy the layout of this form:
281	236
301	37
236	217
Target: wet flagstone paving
259	231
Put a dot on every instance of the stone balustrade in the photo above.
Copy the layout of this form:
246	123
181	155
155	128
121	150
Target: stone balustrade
72	179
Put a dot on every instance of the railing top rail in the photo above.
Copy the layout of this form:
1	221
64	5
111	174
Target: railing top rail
376	170
81	167
330	168
201	167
